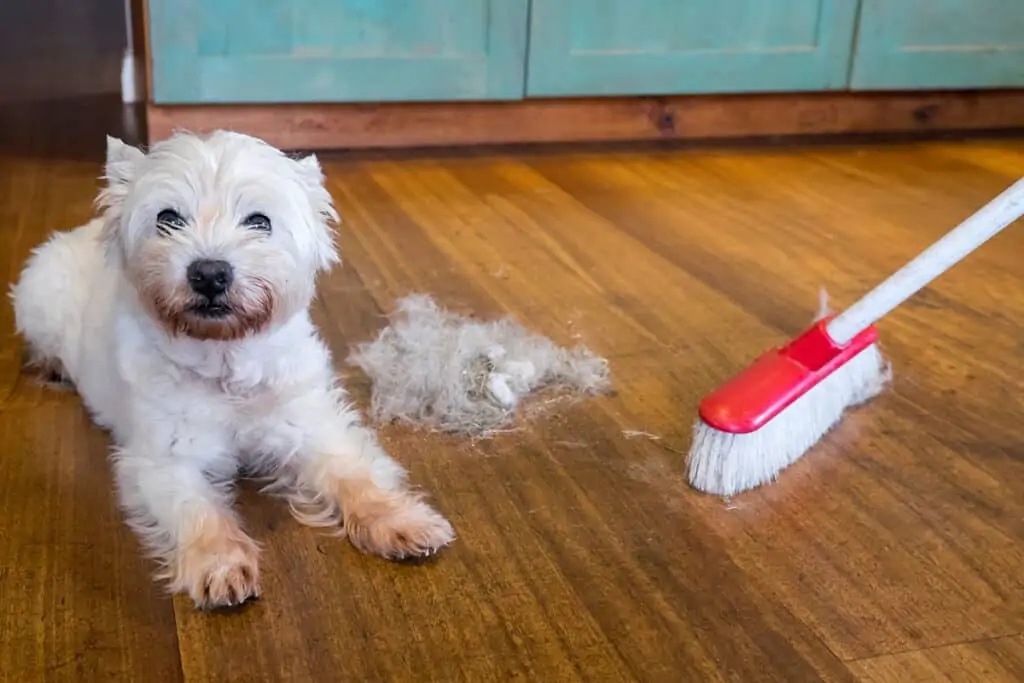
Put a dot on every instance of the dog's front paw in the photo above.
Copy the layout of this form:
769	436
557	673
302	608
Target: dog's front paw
224	573
396	525
228	584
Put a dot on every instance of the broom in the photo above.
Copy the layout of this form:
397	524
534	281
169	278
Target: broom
770	414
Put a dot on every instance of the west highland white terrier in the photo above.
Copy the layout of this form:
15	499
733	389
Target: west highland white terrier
181	316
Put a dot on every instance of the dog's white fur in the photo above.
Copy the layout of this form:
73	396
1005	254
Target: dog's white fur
192	401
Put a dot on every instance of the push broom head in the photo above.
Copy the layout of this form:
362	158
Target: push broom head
765	418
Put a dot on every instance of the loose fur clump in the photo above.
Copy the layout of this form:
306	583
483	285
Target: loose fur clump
433	368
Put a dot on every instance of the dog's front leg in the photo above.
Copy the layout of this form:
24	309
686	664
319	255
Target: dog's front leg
187	523
342	475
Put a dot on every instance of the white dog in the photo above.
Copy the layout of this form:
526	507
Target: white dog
181	316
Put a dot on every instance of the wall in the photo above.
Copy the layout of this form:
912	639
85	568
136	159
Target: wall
56	49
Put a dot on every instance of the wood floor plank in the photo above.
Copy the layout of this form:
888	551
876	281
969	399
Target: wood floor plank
1000	660
504	271
550	219
77	600
1007	160
583	555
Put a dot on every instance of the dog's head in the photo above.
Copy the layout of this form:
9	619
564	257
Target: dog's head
222	236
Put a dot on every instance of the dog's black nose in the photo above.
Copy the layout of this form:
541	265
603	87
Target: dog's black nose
210	278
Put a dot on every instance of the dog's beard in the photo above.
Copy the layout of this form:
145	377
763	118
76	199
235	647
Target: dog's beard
248	307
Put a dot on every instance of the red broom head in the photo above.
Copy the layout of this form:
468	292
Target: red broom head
779	377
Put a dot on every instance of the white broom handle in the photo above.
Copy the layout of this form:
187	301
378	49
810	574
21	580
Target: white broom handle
929	264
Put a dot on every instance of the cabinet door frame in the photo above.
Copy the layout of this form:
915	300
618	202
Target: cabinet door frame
555	70
179	74
883	61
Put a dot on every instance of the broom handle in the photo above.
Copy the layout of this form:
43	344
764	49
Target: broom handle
929	264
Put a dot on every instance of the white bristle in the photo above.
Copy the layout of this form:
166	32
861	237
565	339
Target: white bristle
726	464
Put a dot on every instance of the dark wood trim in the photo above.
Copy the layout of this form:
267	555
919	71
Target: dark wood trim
390	125
140	43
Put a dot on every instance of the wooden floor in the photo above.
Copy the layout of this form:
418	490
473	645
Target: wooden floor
891	552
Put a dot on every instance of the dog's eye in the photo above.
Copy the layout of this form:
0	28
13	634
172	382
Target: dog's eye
257	221
169	220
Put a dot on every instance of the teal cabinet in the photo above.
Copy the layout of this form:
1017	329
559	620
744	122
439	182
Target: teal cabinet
649	47
908	44
276	51
219	51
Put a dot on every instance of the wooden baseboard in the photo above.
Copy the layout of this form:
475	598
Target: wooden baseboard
348	126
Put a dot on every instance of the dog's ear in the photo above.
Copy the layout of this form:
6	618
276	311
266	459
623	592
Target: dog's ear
122	161
310	165
122	165
325	252
119	172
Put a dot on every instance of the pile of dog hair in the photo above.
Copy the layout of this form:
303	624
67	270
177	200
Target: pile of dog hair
433	368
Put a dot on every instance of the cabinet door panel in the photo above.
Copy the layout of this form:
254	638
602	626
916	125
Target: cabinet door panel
337	50
619	47
939	44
